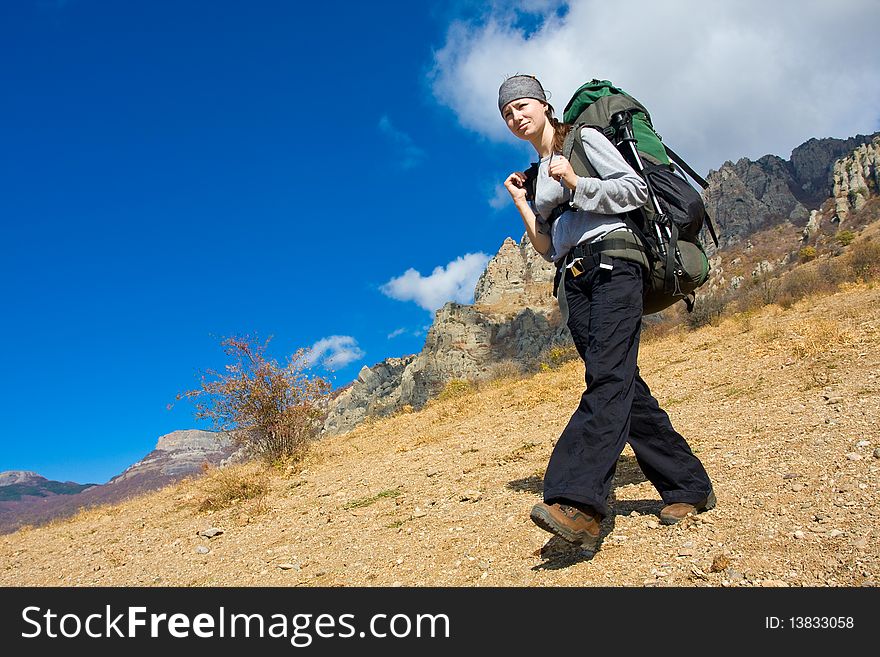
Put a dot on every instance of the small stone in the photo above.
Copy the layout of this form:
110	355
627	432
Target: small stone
719	563
685	552
834	399
790	475
797	488
799	534
211	532
852	456
877	453
863	443
471	496
289	566
734	575
484	565
201	549
860	543
432	472
834	533
774	583
653	524
418	513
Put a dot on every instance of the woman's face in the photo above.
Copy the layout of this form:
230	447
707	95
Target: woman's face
525	117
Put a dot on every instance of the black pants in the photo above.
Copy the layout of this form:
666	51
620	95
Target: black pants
605	317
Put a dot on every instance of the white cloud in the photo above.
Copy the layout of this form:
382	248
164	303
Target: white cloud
396	332
409	154
722	80
333	353
454	282
500	199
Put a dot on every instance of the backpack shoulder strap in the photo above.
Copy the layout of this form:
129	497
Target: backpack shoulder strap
574	151
531	181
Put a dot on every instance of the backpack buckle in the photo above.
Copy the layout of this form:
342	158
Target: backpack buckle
577	268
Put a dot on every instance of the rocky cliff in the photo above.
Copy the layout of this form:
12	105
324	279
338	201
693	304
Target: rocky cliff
179	453
512	322
856	179
746	196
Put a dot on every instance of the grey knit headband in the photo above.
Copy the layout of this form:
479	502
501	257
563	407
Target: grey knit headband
520	86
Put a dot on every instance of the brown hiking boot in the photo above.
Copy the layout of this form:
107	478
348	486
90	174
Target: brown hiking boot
569	523
674	513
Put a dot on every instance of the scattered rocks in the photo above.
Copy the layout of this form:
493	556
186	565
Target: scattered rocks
289	566
211	532
853	456
798	534
201	549
471	496
877	453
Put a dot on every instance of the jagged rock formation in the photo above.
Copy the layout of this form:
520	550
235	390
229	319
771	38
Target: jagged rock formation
513	320
747	196
856	178
375	393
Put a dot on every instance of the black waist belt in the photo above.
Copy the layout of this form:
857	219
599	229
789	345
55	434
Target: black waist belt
592	248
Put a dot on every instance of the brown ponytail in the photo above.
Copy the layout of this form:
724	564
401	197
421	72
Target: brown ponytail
560	130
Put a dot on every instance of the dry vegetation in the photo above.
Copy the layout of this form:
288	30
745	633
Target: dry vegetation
780	403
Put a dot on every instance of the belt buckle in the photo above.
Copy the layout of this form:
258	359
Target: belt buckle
576	268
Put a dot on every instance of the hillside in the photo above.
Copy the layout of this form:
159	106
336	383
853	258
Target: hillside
780	404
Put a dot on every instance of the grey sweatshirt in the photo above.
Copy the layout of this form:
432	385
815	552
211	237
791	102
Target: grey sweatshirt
618	189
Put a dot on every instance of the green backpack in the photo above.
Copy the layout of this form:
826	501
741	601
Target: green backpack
668	226
597	101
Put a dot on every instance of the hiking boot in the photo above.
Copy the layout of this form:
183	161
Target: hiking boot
673	513
580	527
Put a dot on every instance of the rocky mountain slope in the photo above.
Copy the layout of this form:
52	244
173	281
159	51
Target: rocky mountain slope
781	405
511	323
176	455
746	196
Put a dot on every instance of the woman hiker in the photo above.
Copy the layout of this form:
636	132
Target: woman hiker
603	298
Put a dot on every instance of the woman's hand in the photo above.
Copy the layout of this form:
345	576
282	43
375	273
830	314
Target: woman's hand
560	169
515	185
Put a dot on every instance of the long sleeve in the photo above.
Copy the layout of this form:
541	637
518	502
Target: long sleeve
618	189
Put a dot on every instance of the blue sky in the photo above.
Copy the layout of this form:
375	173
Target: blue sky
324	173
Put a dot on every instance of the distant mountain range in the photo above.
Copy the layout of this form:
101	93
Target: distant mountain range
27	498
